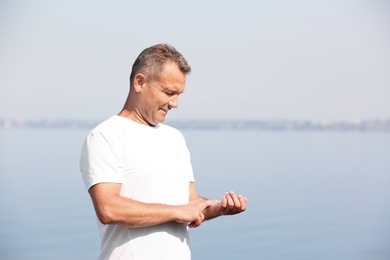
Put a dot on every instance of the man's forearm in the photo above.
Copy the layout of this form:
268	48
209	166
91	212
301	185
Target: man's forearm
133	213
112	208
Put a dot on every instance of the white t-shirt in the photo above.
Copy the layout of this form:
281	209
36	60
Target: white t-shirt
153	165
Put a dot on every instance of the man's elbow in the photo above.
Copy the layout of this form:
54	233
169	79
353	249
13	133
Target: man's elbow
105	215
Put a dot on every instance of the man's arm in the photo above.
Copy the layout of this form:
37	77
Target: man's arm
112	208
230	204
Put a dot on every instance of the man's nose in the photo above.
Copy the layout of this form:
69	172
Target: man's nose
174	102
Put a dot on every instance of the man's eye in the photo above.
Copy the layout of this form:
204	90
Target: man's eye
169	93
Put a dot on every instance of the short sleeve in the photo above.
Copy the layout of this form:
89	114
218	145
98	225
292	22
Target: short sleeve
101	159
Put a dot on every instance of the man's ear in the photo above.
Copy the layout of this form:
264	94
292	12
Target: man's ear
139	82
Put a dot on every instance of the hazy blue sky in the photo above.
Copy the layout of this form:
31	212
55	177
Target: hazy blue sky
250	59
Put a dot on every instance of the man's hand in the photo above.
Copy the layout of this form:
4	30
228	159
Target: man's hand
192	212
230	204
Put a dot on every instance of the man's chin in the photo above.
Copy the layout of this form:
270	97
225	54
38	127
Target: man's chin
157	121
160	121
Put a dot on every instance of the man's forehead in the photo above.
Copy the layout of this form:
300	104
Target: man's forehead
171	66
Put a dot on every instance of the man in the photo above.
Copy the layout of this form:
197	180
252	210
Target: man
138	171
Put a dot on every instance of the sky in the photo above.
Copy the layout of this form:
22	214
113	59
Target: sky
251	60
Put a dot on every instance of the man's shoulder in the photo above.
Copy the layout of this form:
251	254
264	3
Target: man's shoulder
170	129
172	133
109	123
114	125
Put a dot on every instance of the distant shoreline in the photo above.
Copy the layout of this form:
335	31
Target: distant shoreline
252	125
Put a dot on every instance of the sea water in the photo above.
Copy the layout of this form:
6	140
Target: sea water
312	195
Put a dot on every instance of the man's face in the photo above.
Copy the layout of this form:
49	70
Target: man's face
158	97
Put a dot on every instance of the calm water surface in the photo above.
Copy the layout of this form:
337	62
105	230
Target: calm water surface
312	195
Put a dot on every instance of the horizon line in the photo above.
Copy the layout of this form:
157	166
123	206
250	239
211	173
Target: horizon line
355	124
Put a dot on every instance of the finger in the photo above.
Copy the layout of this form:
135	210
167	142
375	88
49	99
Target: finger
224	202
242	198
243	201
234	206
192	225
195	223
236	201
200	219
230	202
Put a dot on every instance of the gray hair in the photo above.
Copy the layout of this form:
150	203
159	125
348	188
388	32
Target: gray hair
152	60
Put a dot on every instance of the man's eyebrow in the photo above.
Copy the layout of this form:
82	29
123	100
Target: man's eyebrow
166	89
